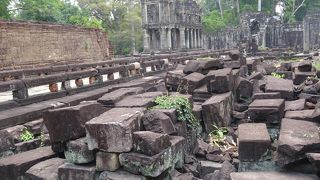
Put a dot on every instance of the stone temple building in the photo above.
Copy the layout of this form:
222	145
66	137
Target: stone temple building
171	25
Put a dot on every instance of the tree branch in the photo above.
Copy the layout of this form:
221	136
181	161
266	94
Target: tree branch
298	7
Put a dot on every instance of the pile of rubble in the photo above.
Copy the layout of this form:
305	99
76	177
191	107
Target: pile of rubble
251	116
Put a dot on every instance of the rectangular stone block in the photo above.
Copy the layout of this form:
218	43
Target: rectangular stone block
111	98
254	141
140	100
284	86
266	110
68	123
300	77
190	82
150	143
217	111
77	152
173	79
222	82
120	175
15	166
112	130
153	166
69	171
45	170
107	161
273	95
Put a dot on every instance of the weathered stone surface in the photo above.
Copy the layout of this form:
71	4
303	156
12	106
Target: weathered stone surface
45	170
271	175
254	141
274	95
68	123
284	86
111	98
6	141
286	74
107	161
210	64
158	122
184	176
197	111
120	175
222	81
206	167
314	158
202	148
154	165
173	79
150	143
305	66
266	110
15	132
244	88
296	138
172	113
192	81
301	115
36	127
77	152
140	100
192	66
311	89
15	166
217	110
256	75
112	130
69	171
300	77
295	105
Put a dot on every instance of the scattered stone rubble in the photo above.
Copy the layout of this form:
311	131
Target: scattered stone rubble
268	123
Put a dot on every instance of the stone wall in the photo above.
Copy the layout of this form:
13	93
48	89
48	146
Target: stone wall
34	43
311	32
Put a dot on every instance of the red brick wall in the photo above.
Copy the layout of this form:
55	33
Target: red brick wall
24	43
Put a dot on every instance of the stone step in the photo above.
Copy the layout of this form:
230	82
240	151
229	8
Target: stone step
271	176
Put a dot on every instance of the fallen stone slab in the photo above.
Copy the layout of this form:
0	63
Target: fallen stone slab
192	66
273	95
266	110
244	88
15	132
295	105
140	100
150	143
153	166
220	81
274	175
201	94
36	127
157	121
305	66
68	123
111	98
314	158
77	152
297	138
107	161
207	167
190	82
112	130
120	175
6	141
207	64
173	79
70	171
254	141
284	86
217	111
45	170
300	77
15	166
301	115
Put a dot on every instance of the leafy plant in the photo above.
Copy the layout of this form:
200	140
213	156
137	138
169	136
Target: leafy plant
182	105
217	135
277	75
26	135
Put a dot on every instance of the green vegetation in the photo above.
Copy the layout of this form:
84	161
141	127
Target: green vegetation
182	105
217	135
26	135
277	75
317	65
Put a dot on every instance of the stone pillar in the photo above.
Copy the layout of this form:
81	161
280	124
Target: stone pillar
201	40
306	34
169	39
146	40
160	13
197	38
163	39
193	38
182	38
259	5
187	38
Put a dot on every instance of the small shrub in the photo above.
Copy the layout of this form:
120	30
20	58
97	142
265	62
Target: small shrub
26	135
277	75
217	135
182	105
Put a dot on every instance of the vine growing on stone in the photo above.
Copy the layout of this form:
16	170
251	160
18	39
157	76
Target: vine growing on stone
182	105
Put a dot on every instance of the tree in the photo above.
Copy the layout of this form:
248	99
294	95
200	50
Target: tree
4	12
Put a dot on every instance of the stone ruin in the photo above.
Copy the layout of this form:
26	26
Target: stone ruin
271	121
268	32
171	25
